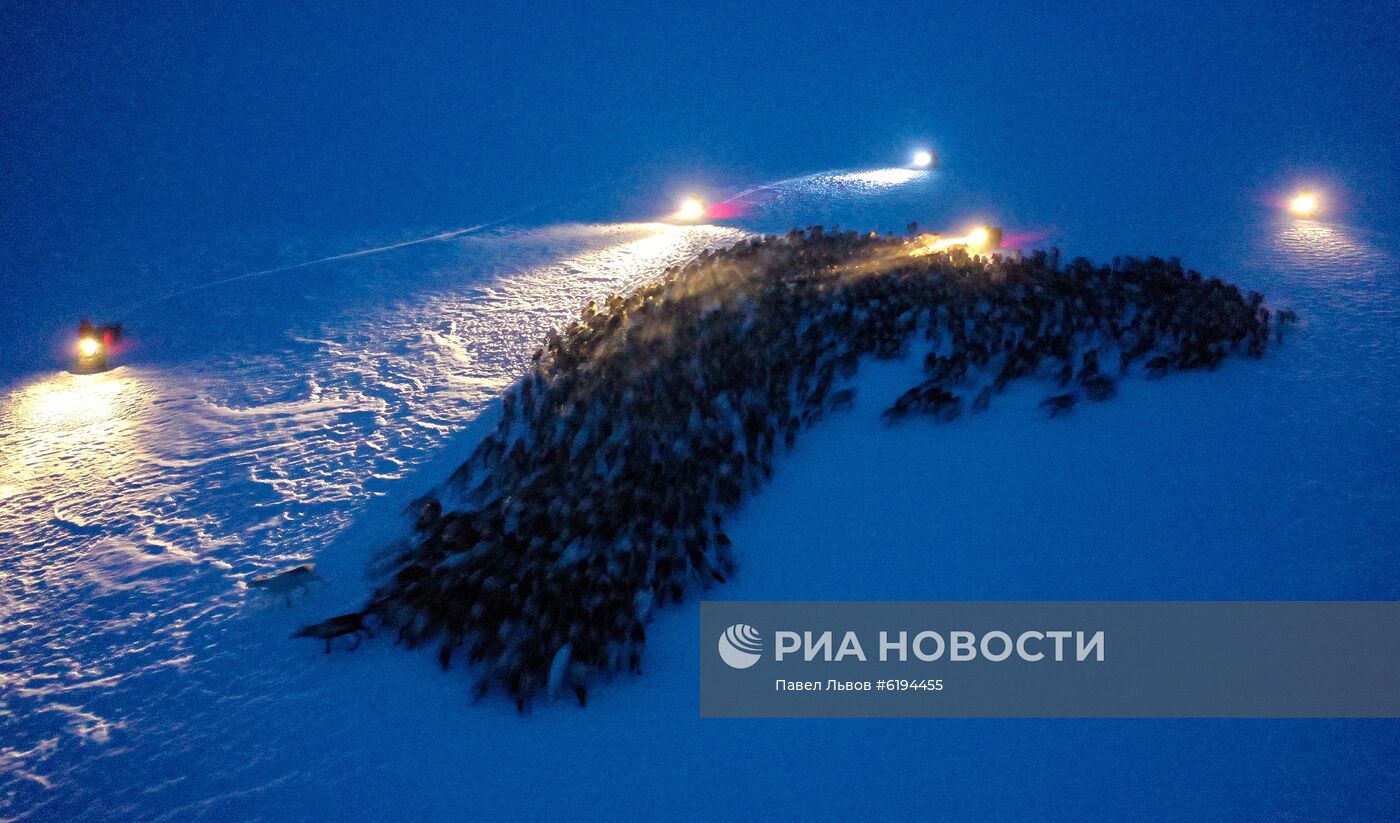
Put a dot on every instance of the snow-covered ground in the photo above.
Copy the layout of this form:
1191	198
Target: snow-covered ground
288	417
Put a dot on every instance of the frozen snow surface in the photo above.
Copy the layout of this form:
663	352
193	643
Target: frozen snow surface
287	418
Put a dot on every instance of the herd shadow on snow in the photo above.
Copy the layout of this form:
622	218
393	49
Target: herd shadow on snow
601	493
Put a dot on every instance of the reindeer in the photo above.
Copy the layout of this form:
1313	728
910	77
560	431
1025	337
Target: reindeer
283	583
338	626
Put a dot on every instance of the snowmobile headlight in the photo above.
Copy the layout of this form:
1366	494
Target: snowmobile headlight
88	346
1303	204
691	208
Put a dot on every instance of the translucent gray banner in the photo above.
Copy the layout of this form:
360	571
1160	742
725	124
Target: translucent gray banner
1050	659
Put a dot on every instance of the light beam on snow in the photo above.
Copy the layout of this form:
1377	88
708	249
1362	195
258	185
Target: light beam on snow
880	178
1320	245
66	401
72	429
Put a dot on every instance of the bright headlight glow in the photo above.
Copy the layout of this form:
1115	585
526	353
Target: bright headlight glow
692	208
87	346
923	158
1303	204
979	237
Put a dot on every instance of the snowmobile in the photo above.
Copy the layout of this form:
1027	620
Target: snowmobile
94	344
